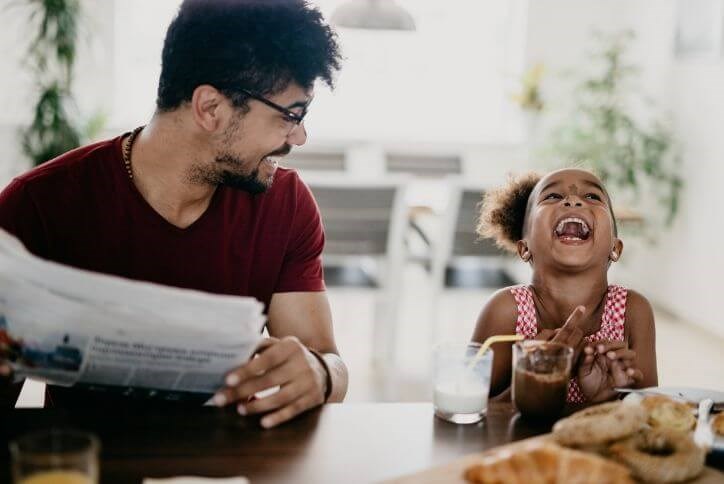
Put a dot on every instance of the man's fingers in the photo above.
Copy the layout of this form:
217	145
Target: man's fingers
5	370
286	394
272	354
288	412
278	376
264	345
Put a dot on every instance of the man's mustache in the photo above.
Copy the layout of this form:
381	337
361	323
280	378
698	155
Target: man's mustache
283	151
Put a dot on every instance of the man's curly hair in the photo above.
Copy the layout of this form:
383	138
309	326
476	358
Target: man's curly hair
256	45
502	210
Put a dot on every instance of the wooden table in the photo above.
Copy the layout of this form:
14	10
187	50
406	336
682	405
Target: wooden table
339	443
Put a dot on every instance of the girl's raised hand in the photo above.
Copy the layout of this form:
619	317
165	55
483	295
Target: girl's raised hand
546	334
571	333
607	366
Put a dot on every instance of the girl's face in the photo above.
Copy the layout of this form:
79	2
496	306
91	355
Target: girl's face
569	222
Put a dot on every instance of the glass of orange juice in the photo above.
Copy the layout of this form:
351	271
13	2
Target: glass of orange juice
56	456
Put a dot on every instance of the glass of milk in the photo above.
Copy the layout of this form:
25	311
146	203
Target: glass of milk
461	385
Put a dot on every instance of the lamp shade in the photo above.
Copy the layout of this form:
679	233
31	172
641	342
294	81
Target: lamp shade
373	14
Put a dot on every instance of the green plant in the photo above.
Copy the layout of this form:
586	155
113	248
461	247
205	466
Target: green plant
630	155
51	56
529	97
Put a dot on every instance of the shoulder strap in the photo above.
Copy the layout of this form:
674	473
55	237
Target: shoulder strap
527	322
614	313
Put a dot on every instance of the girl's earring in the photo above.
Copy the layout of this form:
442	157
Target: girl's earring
614	256
525	256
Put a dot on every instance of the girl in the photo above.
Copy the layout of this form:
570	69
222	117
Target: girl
563	226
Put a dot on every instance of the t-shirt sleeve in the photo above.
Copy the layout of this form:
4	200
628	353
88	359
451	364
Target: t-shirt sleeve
19	216
302	266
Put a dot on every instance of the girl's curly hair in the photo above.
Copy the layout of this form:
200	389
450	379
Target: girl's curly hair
502	210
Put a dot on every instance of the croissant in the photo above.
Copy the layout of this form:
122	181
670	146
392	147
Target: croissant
546	464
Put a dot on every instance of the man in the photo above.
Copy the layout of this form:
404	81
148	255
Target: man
195	198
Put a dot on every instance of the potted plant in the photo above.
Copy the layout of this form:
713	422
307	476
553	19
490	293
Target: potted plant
632	153
51	56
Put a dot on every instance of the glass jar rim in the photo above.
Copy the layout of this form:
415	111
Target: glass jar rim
45	442
544	344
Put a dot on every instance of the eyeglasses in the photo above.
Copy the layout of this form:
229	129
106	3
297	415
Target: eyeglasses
289	116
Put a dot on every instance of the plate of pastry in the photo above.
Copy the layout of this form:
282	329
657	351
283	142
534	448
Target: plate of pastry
686	394
717	427
652	435
677	411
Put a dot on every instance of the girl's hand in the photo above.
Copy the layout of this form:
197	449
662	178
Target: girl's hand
608	366
571	333
546	334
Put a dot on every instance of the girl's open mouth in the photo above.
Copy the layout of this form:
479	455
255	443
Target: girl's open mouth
572	229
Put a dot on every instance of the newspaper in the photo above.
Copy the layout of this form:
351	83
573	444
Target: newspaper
67	327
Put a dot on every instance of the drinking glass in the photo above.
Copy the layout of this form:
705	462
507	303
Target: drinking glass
461	382
541	371
55	456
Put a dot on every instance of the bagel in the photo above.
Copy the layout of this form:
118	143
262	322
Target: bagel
599	424
660	455
664	412
717	423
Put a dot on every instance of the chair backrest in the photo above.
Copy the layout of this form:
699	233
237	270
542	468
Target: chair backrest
361	218
457	238
322	161
424	165
465	240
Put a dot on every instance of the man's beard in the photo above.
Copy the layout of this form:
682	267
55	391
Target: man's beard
248	182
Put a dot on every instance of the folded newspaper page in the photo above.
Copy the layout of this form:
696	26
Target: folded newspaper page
67	326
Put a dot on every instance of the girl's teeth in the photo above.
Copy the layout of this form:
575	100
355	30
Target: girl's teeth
563	223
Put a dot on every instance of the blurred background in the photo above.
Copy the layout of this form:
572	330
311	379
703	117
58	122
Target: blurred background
437	102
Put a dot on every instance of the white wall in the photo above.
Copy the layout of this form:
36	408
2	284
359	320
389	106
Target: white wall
444	88
682	272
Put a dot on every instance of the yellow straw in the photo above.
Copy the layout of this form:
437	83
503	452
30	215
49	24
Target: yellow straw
492	340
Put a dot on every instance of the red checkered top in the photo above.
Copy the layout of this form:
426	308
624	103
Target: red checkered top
612	323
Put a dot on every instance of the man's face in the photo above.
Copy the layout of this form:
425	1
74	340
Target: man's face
251	144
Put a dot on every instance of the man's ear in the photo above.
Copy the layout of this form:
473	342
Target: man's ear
616	251
207	106
523	251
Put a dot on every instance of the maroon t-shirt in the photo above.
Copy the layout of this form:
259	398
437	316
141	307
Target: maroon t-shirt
81	209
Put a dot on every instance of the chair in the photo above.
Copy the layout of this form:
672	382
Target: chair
459	258
307	161
364	224
424	165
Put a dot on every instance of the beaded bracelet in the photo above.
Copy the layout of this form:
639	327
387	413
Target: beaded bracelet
328	380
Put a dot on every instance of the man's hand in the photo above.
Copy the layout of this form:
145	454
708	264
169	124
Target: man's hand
607	366
9	390
6	372
285	363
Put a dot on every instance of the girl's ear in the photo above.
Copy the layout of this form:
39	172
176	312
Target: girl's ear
616	251
523	251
